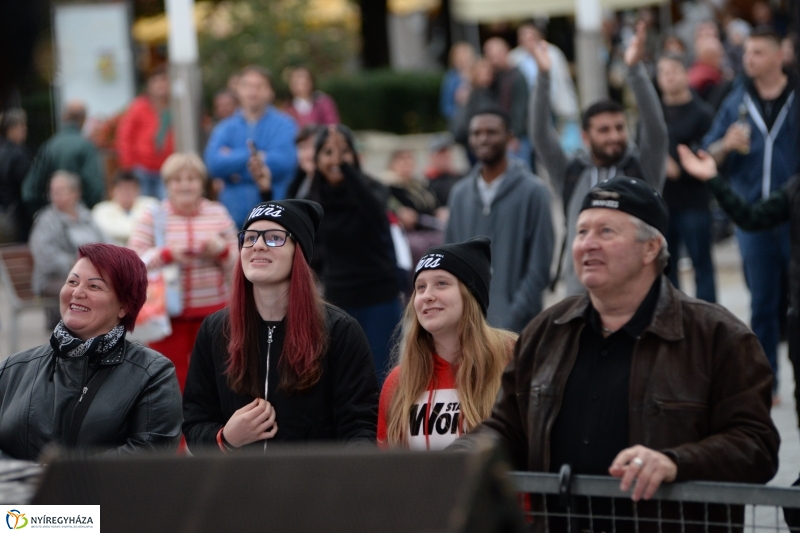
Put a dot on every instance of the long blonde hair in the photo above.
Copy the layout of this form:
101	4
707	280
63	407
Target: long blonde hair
484	353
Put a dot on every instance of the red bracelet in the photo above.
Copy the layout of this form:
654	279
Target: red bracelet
220	441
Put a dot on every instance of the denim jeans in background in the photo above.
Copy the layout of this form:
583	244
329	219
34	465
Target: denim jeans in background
765	256
692	227
378	322
150	183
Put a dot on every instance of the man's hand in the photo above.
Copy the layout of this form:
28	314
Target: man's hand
737	137
260	171
702	166
408	217
541	53
648	468
673	169
636	48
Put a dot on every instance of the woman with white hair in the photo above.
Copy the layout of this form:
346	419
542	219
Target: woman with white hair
58	231
199	236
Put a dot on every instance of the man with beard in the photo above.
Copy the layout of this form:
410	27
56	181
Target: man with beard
501	199
605	134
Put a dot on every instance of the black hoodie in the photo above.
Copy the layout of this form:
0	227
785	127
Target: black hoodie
342	406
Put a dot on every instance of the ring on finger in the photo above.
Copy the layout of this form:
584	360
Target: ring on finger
638	462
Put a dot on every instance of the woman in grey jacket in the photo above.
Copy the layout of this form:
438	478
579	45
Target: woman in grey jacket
88	387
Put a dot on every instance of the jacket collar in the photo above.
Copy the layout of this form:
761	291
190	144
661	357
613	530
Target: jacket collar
667	320
116	356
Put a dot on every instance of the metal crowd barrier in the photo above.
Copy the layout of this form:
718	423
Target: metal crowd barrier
575	504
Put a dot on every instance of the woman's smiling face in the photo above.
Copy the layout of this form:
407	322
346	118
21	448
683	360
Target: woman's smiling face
438	302
89	306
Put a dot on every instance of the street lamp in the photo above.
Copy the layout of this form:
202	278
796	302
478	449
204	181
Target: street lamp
184	73
592	84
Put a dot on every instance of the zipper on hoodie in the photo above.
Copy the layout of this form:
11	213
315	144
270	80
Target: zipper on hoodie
270	329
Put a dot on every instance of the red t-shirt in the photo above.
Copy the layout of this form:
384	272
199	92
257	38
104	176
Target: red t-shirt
435	418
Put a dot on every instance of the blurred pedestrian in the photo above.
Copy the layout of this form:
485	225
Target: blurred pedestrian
563	97
607	150
414	204
705	74
66	150
450	359
89	388
144	134
688	118
754	140
309	105
257	136
673	45
359	271
479	95
58	231
225	104
280	364
304	142
736	33
611	382
456	81
199	237
501	199
511	93
441	171
780	206
116	217
14	164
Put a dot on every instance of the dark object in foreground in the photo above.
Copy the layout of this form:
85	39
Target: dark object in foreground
292	489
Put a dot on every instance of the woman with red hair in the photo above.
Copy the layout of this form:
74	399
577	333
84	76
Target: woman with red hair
279	364
46	392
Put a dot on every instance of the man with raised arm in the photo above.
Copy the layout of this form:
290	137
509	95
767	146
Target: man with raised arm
607	152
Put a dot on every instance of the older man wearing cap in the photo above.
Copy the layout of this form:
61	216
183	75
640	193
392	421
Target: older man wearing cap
635	379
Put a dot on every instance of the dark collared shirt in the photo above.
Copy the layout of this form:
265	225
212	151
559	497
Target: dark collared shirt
592	426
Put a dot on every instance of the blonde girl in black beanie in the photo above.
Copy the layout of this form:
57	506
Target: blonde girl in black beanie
449	359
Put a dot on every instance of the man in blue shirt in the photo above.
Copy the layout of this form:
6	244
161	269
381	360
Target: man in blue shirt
256	136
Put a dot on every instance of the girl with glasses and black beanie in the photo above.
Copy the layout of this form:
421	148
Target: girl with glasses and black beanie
279	364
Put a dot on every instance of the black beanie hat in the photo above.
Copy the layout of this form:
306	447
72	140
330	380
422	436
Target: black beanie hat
301	218
470	261
631	196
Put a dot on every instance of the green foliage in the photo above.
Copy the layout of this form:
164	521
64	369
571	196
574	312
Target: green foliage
385	100
275	34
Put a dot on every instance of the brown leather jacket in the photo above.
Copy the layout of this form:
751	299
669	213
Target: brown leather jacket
700	390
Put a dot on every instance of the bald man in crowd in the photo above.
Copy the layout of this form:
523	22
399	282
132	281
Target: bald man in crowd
66	150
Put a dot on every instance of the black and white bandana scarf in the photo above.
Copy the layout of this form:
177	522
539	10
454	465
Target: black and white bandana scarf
67	345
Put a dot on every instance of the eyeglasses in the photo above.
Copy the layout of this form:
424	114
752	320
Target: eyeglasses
272	237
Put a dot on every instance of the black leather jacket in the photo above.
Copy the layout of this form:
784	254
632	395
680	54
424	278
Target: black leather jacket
137	408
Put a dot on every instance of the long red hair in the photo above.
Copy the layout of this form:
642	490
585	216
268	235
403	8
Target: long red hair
306	338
